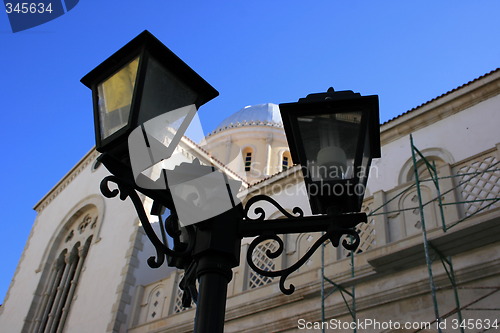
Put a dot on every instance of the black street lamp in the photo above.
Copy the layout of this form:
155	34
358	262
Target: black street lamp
142	80
334	136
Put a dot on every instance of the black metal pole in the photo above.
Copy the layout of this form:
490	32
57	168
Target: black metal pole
216	252
214	274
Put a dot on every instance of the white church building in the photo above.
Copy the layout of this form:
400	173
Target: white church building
84	267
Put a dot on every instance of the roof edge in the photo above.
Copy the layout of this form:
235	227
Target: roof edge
447	104
480	78
65	180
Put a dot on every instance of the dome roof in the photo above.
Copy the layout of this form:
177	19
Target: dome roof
261	114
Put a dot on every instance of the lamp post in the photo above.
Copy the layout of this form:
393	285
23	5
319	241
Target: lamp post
333	135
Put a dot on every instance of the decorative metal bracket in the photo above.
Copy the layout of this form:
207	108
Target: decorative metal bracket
333	235
162	250
336	227
261	212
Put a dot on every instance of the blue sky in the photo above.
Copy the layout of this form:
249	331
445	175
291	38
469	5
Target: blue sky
251	51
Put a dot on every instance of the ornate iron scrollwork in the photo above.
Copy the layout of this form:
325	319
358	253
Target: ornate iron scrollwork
162	250
335	230
334	235
262	214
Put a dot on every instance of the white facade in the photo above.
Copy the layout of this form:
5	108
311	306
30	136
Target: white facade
116	291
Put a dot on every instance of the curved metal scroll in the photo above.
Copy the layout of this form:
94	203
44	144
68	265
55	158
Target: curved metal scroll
162	250
334	234
262	214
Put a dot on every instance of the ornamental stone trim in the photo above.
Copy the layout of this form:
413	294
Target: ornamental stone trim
246	123
66	180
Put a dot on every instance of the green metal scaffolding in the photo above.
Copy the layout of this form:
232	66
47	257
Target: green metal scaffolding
431	252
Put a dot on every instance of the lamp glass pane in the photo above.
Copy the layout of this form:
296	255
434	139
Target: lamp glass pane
163	92
330	142
115	97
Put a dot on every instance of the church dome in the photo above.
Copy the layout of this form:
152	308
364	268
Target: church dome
262	114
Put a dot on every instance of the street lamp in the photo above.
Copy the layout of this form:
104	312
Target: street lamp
333	135
142	80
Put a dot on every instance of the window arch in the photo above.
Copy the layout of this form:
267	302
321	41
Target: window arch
439	156
156	303
248	155
63	269
423	170
286	160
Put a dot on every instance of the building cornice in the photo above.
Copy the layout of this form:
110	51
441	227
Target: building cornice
66	180
246	124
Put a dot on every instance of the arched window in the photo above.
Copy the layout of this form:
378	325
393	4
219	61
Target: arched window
437	156
422	168
247	158
286	161
156	303
59	284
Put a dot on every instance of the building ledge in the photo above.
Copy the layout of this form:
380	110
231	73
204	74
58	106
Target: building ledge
479	231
